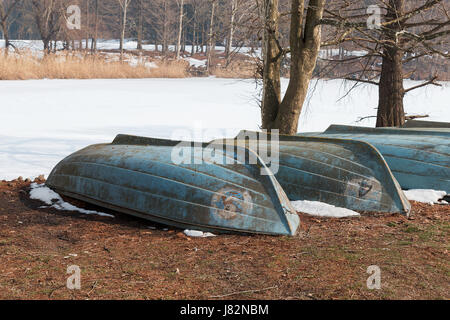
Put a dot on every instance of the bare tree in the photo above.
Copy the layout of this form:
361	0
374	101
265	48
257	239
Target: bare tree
124	10
180	26
163	19
407	31
48	17
305	40
6	8
272	55
234	8
140	24
211	37
96	21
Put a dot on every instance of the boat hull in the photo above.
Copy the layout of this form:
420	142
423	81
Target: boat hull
344	173
420	124
419	159
141	179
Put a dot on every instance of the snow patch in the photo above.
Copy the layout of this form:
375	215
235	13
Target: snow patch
198	234
54	200
196	63
426	196
321	209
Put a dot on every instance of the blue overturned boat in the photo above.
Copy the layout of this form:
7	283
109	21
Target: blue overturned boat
421	124
418	157
341	172
138	176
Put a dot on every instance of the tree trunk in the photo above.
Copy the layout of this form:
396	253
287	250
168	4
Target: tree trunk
4	13
211	41
87	25
194	34
5	35
180	28
272	65
229	47
94	38
203	40
140	27
391	91
46	46
305	38
124	24
165	31
121	27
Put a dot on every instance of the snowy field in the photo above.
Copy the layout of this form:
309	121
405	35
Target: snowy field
43	121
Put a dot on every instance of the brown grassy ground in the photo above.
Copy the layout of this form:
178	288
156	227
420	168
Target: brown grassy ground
26	66
123	258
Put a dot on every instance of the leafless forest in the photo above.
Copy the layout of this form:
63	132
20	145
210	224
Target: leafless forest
197	27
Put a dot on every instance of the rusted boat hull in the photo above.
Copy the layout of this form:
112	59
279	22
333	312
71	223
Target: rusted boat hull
419	159
341	172
137	176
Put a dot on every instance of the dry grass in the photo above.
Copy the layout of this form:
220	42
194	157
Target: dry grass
239	68
25	66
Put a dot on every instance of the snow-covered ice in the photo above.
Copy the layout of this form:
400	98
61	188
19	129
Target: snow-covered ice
198	234
42	121
54	200
426	196
321	209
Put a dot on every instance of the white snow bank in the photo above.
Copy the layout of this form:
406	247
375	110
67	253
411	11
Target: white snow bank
54	200
198	234
320	209
426	196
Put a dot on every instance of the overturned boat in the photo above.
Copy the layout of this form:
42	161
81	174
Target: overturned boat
139	176
418	158
342	172
422	124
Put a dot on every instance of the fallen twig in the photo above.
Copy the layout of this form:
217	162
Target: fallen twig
93	287
246	291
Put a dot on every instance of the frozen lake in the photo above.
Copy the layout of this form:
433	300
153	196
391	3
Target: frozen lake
43	121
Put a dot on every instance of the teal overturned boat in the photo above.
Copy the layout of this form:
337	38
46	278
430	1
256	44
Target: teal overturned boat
418	157
138	176
341	172
215	187
421	124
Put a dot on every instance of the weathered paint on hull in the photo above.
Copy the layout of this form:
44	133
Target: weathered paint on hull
412	124
341	172
142	180
419	159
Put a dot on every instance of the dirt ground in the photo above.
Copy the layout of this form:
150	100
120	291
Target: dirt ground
128	258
